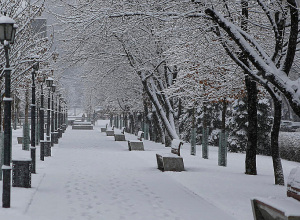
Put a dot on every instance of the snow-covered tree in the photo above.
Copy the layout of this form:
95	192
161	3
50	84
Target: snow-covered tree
31	45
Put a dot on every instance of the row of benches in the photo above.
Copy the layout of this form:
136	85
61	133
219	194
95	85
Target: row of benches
263	208
165	162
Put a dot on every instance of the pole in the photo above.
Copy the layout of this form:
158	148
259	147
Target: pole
193	135
48	117
56	117
33	106
15	114
7	134
59	120
47	144
52	121
42	125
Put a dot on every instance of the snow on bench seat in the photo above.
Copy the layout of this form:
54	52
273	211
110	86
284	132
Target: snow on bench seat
110	131
137	144
171	161
120	137
82	127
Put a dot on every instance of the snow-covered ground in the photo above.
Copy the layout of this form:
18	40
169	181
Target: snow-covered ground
90	176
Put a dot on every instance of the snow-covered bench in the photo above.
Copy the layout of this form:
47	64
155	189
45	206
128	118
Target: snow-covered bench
104	129
136	144
82	123
110	131
82	127
171	161
277	208
120	137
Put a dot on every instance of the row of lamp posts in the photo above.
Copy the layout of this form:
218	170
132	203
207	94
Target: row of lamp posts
7	37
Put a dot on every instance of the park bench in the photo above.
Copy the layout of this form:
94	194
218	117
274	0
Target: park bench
136	144
120	137
110	131
82	127
82	123
104	129
171	161
280	208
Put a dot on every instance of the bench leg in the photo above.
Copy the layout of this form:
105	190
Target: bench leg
129	147
160	163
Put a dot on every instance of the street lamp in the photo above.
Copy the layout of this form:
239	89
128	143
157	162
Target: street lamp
62	120
49	83
41	113
59	119
52	115
65	116
7	37
33	107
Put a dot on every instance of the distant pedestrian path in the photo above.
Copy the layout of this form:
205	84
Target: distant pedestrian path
93	177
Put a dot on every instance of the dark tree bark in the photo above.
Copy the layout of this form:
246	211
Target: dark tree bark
250	162
277	166
111	119
168	140
157	129
131	118
224	116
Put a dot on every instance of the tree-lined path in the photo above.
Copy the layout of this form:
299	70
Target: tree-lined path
93	177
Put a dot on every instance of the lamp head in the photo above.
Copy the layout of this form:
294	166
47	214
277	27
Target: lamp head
7	29
53	87
49	81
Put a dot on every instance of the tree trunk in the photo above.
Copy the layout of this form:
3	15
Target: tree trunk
1	116
278	172
137	123
131	119
111	120
158	133
224	116
250	162
168	140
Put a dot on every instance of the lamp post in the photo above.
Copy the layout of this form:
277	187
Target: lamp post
62	122
49	82
33	107
65	117
52	115
59	121
7	36
55	123
41	113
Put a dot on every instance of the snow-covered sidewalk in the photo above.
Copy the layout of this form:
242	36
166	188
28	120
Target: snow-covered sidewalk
90	176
